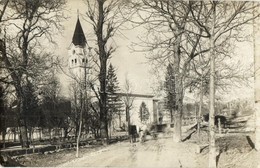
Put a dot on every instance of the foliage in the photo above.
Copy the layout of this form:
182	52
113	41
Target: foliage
114	104
170	90
31	108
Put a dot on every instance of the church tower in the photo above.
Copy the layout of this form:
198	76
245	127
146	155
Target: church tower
78	53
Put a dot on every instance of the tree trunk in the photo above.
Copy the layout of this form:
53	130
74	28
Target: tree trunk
212	145
82	108
127	119
179	112
76	131
171	111
110	129
40	134
219	126
14	134
119	118
3	137
79	134
178	89
200	108
256	33
22	123
24	137
103	106
102	75
30	134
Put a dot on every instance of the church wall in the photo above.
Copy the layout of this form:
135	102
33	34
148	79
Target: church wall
135	112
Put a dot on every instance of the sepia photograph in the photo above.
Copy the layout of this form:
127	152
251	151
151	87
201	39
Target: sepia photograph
130	83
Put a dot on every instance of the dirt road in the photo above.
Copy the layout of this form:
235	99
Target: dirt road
152	153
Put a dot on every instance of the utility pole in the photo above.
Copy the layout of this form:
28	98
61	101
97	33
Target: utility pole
84	105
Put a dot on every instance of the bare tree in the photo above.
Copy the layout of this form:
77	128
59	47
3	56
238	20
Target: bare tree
104	17
167	41
227	22
212	148
79	92
20	48
178	31
128	100
257	79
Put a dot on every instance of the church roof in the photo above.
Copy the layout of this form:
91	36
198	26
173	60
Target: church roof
79	37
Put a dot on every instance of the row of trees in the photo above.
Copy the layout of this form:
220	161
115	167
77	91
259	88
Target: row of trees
24	64
196	39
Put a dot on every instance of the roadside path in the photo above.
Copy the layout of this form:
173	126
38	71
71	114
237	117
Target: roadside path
152	153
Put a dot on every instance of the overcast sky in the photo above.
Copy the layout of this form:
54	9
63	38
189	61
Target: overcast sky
128	63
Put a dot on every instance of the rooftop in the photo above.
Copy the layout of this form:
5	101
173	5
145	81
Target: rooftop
79	36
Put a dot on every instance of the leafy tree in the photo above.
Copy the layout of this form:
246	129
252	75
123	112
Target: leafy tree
170	90
144	113
114	103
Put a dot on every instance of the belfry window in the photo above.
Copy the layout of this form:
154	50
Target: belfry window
75	61
72	61
83	60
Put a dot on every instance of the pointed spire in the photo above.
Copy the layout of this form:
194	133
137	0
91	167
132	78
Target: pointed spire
79	37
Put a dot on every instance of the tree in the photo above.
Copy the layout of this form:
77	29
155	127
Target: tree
2	114
104	18
227	21
167	41
29	21
257	78
49	102
178	32
114	103
212	147
144	113
170	90
128	100
79	105
94	115
31	108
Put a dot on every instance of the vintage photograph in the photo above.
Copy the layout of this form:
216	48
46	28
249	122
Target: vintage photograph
130	83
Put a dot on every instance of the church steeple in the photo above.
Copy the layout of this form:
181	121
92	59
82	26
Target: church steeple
78	52
79	38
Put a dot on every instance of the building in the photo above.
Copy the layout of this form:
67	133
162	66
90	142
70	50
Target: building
143	110
78	53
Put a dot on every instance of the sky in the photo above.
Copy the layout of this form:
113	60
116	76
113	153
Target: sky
132	64
128	64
